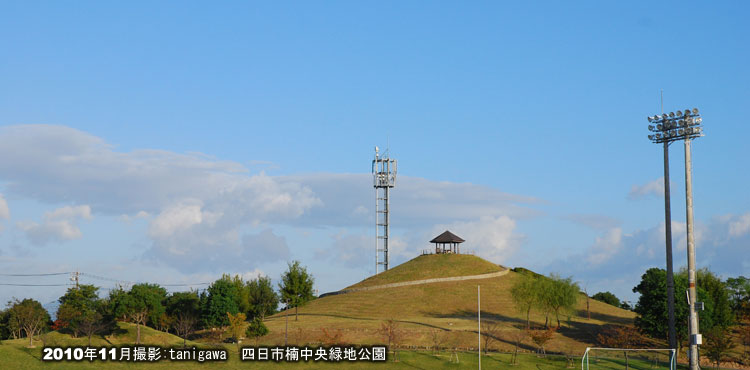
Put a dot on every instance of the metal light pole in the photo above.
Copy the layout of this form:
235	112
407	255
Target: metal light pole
673	127
668	230
672	334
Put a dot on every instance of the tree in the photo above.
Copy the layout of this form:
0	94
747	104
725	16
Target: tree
563	295
29	316
718	307
4	327
242	294
524	294
91	322
296	287
545	296
115	303
651	307
78	305
739	292
619	336
490	333
67	319
330	337
540	337
8	324
518	337
236	322
390	330
183	308
608	298
263	300
222	297
718	343
745	337
141	302
437	337
256	329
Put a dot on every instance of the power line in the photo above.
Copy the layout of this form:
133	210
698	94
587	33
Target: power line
50	274
133	283
93	276
8	284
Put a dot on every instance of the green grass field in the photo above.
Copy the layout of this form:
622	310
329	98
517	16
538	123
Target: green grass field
15	355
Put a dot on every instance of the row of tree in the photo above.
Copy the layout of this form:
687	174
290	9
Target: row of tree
726	304
549	295
83	312
721	310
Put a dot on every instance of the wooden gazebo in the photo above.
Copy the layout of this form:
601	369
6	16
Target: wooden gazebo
447	242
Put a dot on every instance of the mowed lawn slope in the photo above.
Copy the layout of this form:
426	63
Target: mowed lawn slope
431	266
449	307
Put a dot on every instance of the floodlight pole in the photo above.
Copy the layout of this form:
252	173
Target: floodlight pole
668	230
693	327
668	128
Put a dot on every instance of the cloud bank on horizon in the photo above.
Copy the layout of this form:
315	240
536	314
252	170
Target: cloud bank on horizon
201	211
206	216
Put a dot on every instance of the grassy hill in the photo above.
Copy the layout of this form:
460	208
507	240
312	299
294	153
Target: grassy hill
431	266
448	308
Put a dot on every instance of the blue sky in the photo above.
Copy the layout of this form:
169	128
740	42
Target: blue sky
176	141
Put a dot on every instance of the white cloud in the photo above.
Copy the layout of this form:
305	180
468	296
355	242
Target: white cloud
4	210
492	238
740	226
200	204
198	207
348	200
619	256
653	188
57	226
174	219
605	246
51	163
203	247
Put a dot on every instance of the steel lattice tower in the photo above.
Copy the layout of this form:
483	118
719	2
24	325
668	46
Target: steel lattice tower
384	177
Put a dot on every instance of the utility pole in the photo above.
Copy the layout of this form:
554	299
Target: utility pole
75	278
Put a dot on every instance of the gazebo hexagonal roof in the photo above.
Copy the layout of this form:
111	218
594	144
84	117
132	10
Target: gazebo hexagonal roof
447	237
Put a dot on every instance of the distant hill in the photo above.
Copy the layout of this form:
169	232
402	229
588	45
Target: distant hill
450	308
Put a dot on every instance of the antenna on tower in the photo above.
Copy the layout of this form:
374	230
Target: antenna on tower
384	171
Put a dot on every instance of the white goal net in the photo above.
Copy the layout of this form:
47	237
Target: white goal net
628	359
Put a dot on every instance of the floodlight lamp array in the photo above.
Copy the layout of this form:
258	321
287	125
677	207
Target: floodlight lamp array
675	126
